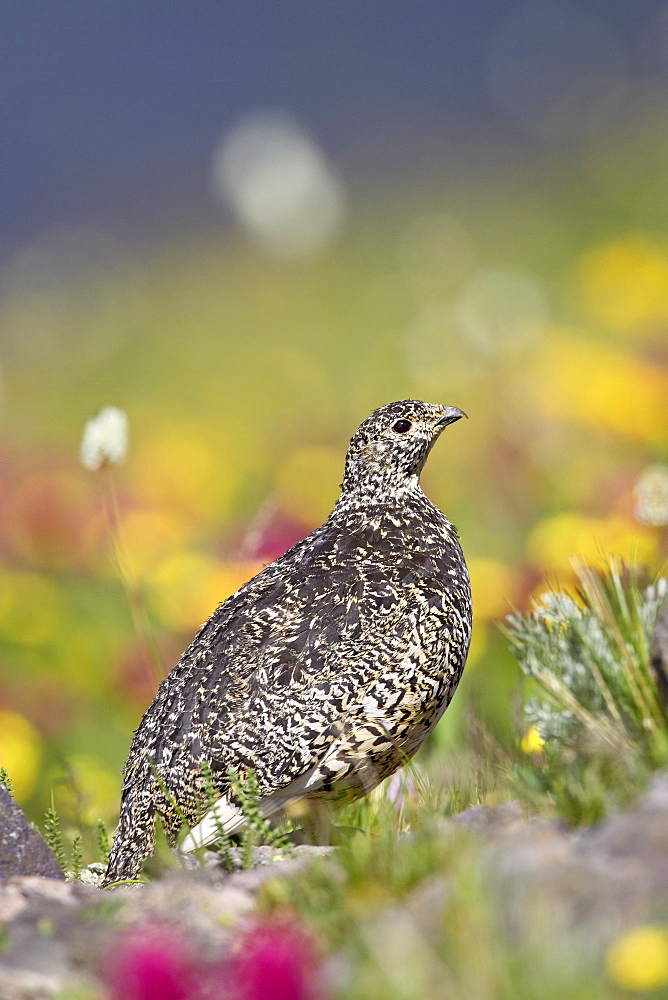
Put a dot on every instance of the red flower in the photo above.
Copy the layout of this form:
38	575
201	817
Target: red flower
153	965
274	961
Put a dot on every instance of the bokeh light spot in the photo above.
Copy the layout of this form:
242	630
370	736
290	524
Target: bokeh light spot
638	960
178	468
279	185
599	386
149	534
186	587
48	524
502	308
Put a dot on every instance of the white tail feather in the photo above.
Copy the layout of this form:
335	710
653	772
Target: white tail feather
231	818
222	815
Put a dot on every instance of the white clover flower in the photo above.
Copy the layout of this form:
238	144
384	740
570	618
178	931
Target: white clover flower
651	493
105	439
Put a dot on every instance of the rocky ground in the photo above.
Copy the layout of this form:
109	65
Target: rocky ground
55	935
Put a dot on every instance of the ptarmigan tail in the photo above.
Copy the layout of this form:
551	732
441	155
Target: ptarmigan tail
134	839
225	816
228	817
222	817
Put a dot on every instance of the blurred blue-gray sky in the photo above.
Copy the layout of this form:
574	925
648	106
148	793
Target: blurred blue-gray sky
110	112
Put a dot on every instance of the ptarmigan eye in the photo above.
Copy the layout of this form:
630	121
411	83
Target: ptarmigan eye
402	426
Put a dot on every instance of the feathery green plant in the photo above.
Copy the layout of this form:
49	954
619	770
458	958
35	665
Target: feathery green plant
223	843
53	834
6	781
258	830
103	844
595	701
590	660
76	858
81	842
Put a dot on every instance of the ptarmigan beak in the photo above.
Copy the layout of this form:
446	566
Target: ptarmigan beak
451	414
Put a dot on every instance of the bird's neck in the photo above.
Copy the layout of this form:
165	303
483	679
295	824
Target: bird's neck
361	491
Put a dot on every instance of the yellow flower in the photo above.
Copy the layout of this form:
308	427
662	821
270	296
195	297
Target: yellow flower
639	960
625	283
19	752
494	586
601	387
554	542
532	742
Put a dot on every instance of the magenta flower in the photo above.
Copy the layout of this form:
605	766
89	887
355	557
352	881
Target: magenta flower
151	965
274	961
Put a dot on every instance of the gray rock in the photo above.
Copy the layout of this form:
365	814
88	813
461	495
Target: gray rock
23	850
42	928
488	817
539	877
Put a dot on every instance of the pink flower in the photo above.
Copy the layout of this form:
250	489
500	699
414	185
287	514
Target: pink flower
271	961
151	965
274	961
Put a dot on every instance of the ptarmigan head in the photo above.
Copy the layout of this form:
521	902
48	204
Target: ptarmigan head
390	448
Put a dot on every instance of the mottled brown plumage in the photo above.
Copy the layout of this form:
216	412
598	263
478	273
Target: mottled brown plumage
327	669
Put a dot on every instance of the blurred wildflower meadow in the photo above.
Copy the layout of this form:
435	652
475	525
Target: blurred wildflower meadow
243	377
522	277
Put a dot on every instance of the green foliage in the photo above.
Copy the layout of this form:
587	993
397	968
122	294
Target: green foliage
330	340
81	843
6	780
595	700
103	844
582	782
53	834
77	858
223	845
427	916
590	659
257	829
